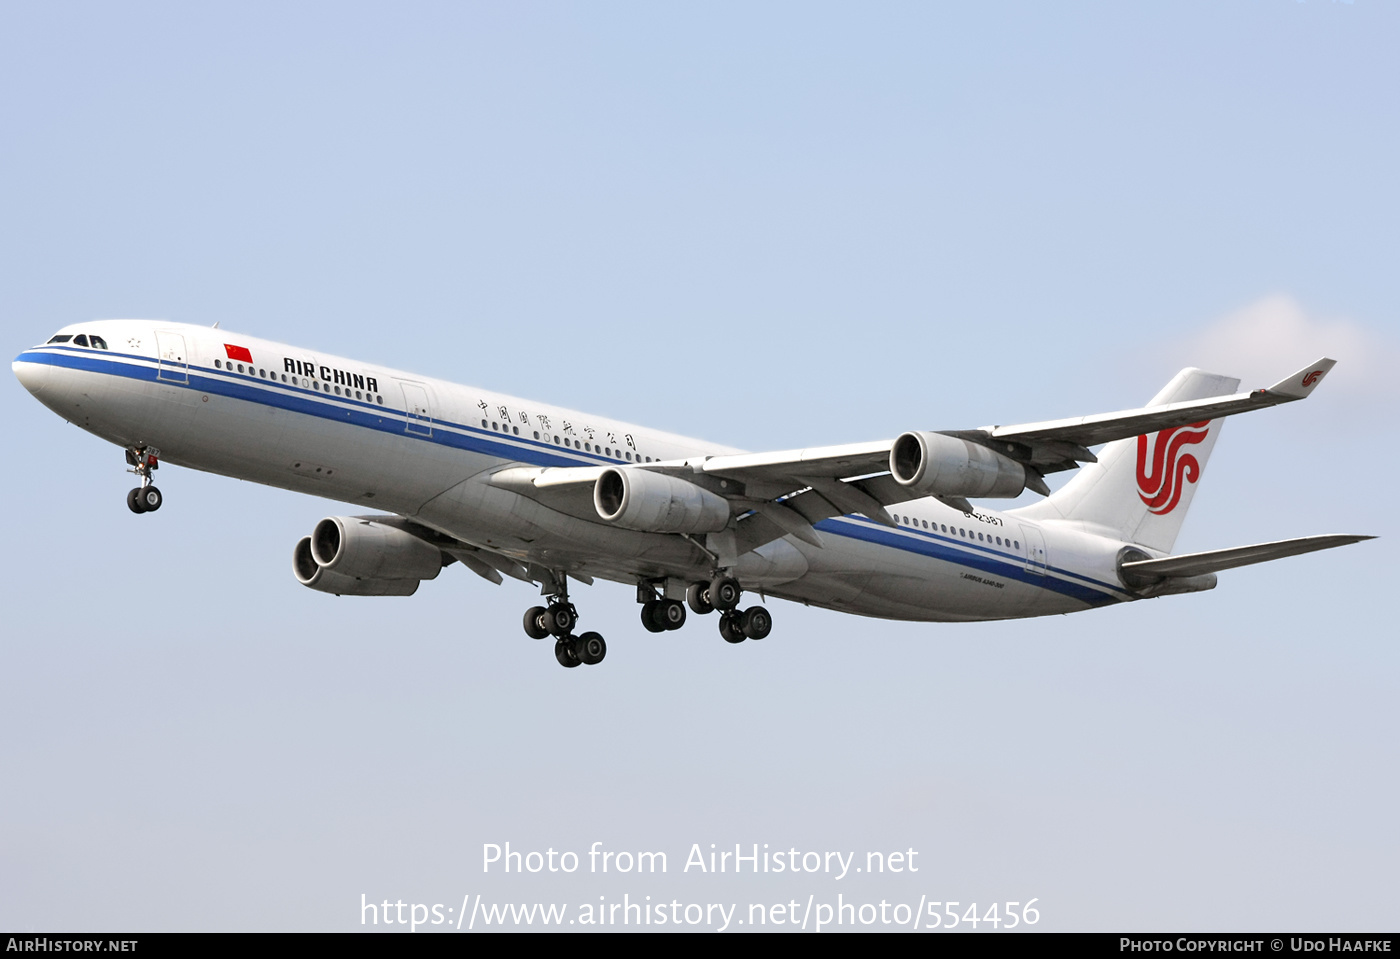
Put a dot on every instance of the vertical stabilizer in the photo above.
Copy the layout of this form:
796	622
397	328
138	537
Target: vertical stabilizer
1141	488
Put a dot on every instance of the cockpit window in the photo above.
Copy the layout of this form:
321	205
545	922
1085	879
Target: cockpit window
82	339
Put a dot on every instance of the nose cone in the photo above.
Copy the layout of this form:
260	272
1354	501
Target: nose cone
34	376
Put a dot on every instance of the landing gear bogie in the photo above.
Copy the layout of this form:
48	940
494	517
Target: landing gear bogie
558	619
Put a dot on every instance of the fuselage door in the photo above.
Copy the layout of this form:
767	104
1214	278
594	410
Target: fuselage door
417	409
1035	550
172	362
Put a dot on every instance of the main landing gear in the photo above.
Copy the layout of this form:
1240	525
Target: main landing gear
143	460
558	620
659	614
722	593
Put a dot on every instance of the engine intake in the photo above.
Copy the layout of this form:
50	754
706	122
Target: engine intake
364	549
938	465
657	503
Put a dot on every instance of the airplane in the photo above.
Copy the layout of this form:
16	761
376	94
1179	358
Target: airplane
508	487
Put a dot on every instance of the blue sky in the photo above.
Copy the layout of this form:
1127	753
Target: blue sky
764	226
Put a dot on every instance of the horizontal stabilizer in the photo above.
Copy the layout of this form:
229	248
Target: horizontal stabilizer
1213	561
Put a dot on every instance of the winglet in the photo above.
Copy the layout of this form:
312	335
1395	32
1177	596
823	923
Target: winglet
1300	384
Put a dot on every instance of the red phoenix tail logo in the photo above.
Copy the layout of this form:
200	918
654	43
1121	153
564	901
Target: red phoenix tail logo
1311	378
1161	486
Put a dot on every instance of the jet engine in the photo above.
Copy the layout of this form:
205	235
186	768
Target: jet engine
352	556
657	503
938	465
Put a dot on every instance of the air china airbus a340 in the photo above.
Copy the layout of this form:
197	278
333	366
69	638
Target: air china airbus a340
510	487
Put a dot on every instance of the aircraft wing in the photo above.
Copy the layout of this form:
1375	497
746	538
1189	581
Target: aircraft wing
1062	444
786	492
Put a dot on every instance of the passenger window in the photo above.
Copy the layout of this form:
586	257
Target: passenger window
218	365
537	434
515	430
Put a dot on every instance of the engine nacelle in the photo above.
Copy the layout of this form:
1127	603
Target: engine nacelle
657	503
364	549
937	465
310	573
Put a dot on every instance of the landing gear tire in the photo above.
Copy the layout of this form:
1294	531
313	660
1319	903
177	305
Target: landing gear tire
590	649
150	499
133	501
698	598
729	628
534	622
564	652
559	620
755	623
671	614
651	616
725	592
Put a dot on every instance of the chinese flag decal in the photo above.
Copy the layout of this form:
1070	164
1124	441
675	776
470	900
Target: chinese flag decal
238	353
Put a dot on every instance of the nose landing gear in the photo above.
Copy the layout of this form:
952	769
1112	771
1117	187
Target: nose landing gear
143	460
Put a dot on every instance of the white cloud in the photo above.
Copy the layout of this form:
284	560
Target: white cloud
1274	336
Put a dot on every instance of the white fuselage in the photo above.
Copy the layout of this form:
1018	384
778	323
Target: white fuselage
389	441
